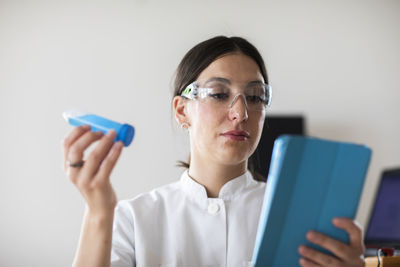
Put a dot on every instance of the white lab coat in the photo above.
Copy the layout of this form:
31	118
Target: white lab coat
178	225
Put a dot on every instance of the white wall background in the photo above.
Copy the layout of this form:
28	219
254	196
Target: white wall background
336	62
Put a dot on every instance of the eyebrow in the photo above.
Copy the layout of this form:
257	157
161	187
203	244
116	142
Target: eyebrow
255	82
218	79
224	80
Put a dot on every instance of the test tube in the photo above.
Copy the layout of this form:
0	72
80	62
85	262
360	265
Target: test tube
125	132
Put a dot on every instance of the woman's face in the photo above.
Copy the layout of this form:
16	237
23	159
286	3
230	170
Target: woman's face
230	135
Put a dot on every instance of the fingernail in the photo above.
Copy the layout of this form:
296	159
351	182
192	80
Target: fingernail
311	235
117	147
85	127
111	133
99	133
303	250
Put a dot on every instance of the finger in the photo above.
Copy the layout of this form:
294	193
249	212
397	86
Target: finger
307	263
71	138
338	248
98	154
76	151
109	162
354	230
318	257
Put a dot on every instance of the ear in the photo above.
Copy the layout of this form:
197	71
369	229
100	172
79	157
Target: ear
180	110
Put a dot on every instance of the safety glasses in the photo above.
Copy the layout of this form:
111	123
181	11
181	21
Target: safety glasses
219	94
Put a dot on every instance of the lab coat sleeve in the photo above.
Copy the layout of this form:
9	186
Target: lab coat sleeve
123	245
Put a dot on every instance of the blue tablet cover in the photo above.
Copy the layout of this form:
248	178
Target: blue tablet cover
310	182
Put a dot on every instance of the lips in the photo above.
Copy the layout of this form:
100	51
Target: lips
237	135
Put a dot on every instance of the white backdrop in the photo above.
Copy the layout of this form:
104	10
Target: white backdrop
336	62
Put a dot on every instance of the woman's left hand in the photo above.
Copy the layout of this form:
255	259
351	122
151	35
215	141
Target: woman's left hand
345	254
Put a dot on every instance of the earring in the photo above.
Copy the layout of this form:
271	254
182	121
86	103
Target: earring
184	125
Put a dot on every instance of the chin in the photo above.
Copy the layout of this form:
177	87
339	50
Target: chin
233	157
242	149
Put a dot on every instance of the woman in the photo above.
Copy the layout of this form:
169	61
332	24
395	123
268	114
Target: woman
210	216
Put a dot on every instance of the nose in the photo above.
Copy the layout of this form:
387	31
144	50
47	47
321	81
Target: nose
238	108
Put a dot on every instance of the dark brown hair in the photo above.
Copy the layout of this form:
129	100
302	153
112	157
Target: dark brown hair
201	56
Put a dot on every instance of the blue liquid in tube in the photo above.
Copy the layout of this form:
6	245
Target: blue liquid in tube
125	132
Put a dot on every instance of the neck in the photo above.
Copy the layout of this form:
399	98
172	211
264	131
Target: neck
214	175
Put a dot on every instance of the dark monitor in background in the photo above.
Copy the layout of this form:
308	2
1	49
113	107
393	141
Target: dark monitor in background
384	224
274	126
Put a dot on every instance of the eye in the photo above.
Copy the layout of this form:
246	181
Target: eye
255	99
220	96
218	92
255	94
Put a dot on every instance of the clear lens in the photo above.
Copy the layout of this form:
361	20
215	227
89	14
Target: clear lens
219	95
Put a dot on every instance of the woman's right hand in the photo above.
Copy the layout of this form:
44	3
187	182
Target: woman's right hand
93	178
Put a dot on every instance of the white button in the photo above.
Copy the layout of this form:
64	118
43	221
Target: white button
213	208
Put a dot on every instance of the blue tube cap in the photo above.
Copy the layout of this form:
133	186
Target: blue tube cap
126	134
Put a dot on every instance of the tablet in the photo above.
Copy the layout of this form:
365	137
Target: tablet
383	228
310	182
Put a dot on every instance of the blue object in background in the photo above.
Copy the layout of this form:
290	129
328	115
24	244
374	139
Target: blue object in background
310	182
125	132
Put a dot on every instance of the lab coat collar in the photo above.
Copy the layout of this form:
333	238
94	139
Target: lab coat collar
228	191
